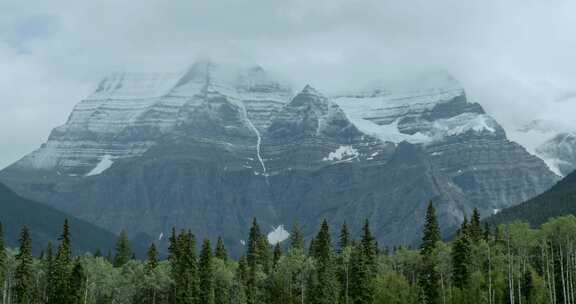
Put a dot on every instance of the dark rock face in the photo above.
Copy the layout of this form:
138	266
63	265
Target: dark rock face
210	149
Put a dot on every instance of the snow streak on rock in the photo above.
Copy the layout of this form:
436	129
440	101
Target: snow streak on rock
105	163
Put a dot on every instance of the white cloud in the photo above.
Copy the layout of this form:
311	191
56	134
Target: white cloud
53	52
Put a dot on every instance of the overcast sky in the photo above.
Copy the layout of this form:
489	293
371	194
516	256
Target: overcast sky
515	57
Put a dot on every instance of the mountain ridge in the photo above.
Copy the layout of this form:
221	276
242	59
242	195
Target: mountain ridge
228	147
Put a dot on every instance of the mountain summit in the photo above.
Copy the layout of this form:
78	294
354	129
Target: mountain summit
216	145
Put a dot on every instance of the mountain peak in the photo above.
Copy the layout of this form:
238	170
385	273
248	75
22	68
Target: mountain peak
308	89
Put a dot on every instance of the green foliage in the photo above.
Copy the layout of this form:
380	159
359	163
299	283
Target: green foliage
24	278
220	251
476	231
324	286
523	265
123	250
461	260
152	261
206	274
61	278
344	240
3	260
363	269
429	278
277	254
297	237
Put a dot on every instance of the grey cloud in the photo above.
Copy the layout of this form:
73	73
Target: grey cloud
502	51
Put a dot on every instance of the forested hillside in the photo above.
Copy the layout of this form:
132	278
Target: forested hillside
44	223
510	264
558	201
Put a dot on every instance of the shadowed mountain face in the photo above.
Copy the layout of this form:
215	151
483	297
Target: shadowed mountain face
45	224
211	148
555	202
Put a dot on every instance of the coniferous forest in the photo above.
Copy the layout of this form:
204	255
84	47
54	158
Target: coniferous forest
511	263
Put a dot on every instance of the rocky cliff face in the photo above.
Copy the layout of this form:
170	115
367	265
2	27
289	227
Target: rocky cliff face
214	146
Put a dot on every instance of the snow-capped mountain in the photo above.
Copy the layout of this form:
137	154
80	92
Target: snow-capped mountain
551	135
215	145
128	113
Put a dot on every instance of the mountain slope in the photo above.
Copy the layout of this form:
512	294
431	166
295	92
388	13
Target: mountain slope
45	224
210	148
557	201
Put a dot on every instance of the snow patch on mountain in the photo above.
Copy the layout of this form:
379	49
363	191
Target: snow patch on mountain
342	153
464	123
389	132
105	163
278	235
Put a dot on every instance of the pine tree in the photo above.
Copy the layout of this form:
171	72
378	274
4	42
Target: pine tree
3	260
344	237
277	254
23	276
324	286
206	274
476	231
62	269
297	237
429	279
50	272
253	259
221	252
152	261
461	258
369	247
188	287
431	231
109	257
77	283
312	248
123	251
363	269
487	232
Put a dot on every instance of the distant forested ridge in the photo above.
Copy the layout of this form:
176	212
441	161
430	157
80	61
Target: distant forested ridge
557	201
44	222
511	263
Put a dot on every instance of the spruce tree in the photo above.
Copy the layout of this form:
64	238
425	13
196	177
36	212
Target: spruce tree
312	248
77	283
476	231
461	258
277	254
253	259
369	247
3	260
123	251
487	231
23	276
362	289
324	285
62	269
344	237
206	274
221	252
152	261
297	237
50	273
187	289
429	279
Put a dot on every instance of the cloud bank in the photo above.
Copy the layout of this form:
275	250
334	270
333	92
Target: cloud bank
516	57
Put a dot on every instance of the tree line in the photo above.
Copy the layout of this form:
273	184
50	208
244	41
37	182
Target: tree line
512	264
